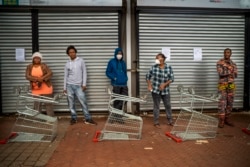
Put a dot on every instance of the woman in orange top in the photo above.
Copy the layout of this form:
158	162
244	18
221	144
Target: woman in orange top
39	76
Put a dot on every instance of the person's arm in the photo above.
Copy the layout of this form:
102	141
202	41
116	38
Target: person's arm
28	74
109	71
170	80
65	78
235	71
125	69
222	70
149	85
84	75
148	79
171	75
48	74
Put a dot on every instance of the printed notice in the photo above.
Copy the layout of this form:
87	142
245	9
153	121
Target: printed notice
166	52
197	54
20	54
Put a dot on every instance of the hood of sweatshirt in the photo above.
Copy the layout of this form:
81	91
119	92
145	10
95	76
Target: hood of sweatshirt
116	52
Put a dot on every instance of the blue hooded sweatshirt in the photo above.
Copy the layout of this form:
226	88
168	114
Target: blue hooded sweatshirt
117	71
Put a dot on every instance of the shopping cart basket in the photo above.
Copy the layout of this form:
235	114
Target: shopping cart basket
190	123
31	125
120	125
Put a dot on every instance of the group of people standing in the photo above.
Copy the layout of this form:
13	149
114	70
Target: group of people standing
158	79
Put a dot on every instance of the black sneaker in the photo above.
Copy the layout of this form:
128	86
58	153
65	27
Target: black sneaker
73	121
90	121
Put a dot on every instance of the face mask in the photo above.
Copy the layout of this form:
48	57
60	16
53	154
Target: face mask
119	56
157	61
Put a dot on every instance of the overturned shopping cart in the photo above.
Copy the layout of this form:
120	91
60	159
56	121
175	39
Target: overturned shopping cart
120	125
31	125
191	123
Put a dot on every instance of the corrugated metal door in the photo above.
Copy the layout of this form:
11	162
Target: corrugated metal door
182	33
95	36
15	32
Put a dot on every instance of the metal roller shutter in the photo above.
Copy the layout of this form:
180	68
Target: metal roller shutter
95	36
15	32
183	32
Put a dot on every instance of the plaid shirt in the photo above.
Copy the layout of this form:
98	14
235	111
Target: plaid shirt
159	76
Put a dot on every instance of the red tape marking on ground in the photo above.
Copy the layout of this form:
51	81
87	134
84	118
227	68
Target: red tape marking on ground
177	139
246	131
97	133
12	135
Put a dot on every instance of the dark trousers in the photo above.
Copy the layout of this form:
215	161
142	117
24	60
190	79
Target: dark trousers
122	90
167	104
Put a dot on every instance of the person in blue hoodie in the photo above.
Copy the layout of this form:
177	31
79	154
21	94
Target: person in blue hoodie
117	72
75	85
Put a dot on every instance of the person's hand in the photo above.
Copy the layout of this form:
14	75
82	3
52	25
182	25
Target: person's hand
40	79
84	88
64	91
162	86
150	88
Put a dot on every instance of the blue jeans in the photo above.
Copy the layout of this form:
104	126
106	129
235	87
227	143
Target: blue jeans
166	102
76	91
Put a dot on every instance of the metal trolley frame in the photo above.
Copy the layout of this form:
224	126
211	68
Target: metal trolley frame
192	124
120	125
31	125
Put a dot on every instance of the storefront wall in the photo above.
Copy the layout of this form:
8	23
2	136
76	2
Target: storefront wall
94	34
179	36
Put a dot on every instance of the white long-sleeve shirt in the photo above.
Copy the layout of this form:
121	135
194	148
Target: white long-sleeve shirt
75	72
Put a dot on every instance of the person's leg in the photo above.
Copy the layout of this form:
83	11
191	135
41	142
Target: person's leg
117	103
124	91
167	105
222	106
71	101
80	94
49	106
229	107
156	109
37	106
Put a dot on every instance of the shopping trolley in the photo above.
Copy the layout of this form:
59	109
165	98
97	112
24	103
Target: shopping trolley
31	125
192	124
247	130
120	125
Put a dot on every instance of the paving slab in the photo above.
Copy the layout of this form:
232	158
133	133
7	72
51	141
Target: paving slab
74	147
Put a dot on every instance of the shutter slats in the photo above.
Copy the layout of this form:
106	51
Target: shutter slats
15	32
95	36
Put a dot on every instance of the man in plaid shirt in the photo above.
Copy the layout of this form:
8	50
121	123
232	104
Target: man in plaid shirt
158	79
